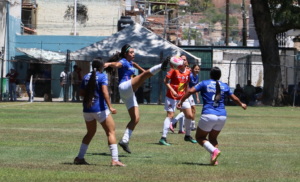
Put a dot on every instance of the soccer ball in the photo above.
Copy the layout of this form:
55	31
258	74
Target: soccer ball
176	62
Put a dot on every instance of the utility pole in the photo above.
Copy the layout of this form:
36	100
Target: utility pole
2	65
189	40
166	21
244	32
144	12
227	22
75	17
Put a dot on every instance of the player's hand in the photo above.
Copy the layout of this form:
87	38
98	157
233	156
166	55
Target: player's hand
113	110
179	105
106	65
175	94
198	101
244	106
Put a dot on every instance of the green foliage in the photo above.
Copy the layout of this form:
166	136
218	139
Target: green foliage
195	35
233	8
197	6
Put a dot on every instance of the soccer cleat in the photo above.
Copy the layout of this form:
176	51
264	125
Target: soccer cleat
163	141
181	132
174	125
171	127
164	64
78	161
216	163
214	156
189	139
125	146
117	163
193	129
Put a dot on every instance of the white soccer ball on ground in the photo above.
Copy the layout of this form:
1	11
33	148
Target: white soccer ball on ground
176	62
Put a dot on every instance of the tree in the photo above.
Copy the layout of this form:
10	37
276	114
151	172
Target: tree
272	17
195	35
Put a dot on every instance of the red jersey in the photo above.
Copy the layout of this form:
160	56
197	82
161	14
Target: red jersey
12	77
178	81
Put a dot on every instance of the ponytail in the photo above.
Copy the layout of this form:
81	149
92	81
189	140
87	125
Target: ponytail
218	92
90	89
215	74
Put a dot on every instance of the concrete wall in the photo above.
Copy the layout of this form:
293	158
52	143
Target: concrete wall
222	57
103	17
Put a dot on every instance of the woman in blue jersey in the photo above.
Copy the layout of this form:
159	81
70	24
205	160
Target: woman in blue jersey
129	84
214	114
96	106
194	80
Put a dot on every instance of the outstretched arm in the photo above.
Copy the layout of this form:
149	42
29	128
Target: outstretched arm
186	95
113	65
238	102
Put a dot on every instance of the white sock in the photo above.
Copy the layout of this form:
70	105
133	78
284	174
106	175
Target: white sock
174	121
82	150
193	124
166	127
181	124
114	152
187	127
127	135
209	147
180	115
155	69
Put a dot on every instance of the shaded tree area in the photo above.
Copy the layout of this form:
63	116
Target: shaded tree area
272	17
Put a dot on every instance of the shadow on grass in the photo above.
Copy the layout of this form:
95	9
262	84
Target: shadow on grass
71	163
198	164
105	154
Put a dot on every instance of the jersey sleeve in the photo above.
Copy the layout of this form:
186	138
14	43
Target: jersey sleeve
170	73
228	91
103	80
199	86
124	63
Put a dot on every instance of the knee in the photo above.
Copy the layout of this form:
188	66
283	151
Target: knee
91	133
189	116
135	119
213	140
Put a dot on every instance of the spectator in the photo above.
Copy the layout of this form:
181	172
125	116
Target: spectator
12	83
249	92
65	82
30	72
297	94
75	83
238	91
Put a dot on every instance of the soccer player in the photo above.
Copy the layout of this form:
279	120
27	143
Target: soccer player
96	103
176	82
129	84
214	114
194	79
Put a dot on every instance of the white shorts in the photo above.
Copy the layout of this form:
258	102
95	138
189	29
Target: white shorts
210	122
127	94
170	104
99	116
191	100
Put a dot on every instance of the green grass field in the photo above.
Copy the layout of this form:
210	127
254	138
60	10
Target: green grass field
39	141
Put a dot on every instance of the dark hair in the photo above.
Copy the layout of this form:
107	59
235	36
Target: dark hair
117	57
194	66
215	74
75	66
89	93
182	55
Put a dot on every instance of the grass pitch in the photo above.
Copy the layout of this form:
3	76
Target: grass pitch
39	141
